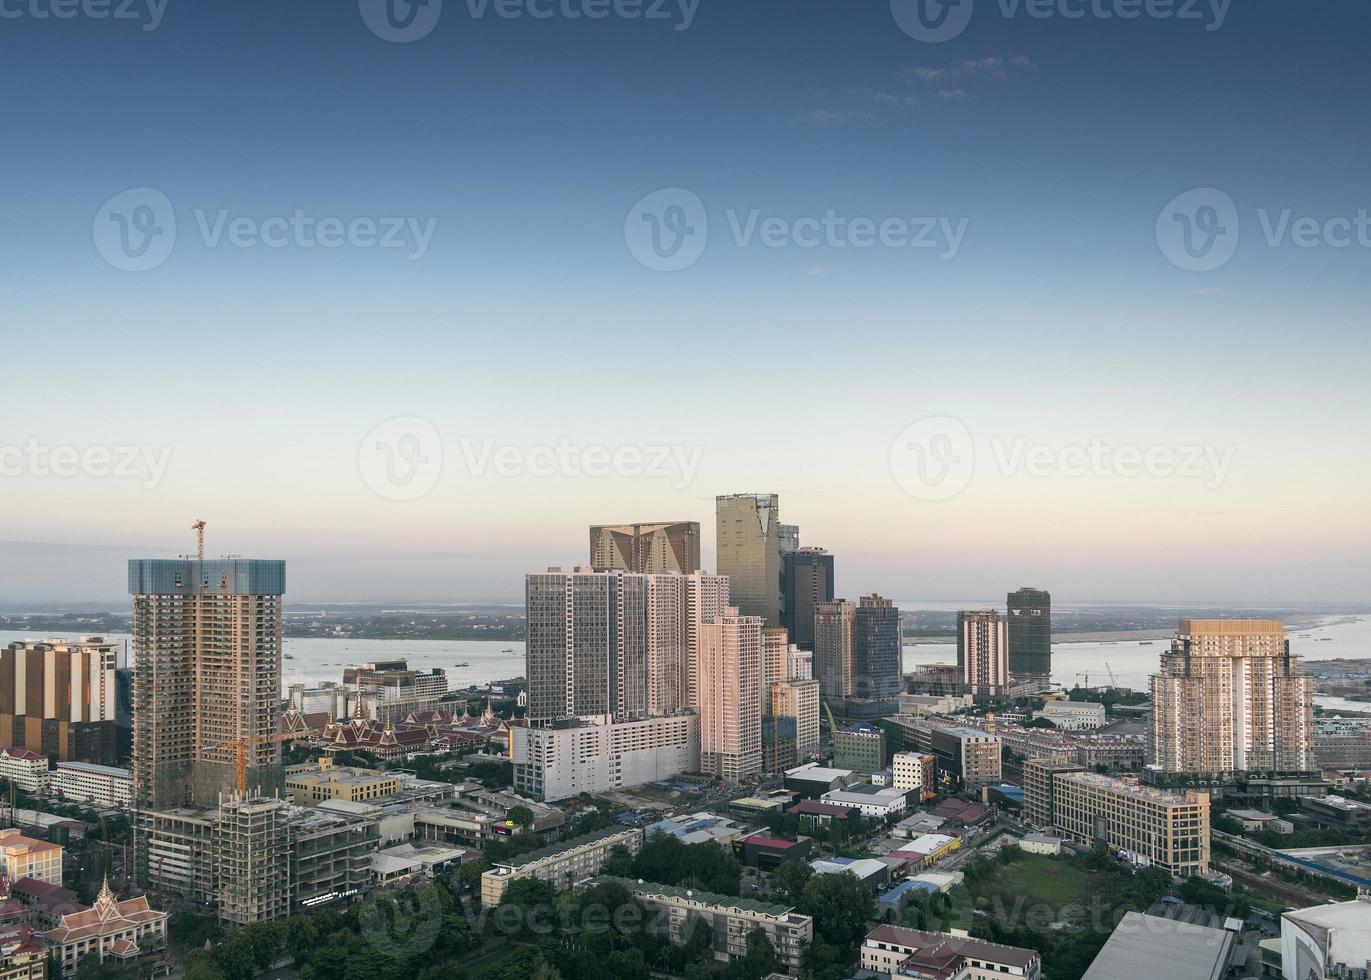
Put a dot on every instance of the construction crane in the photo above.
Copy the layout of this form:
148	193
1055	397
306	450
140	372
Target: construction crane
240	746
1086	675
199	528
1113	682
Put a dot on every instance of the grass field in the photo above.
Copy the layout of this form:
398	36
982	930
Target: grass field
1048	885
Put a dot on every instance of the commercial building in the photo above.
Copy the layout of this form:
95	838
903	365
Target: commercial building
25	769
967	754
869	871
1073	716
565	758
769	853
23	955
897	952
1228	701
651	549
59	697
859	747
1139	943
207	677
25	857
562	865
807	578
1338	813
1037	789
778	743
748	543
983	652
1030	636
324	780
873	801
128	933
914	771
1144	824
811	780
834	660
92	784
730	685
328	698
877	649
1326	941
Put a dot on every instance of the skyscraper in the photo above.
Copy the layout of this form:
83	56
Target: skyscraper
614	644
59	697
808	577
834	623
731	696
876	648
207	676
1228	700
653	549
1030	636
748	535
983	652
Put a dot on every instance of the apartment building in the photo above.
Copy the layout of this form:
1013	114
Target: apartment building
59	697
859	747
562	865
896	952
25	857
92	784
25	769
730	685
730	919
798	698
983	652
564	758
914	770
1151	826
1229	700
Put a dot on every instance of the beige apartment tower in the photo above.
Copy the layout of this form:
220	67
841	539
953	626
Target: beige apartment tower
730	678
652	549
206	678
748	535
834	657
983	652
1228	700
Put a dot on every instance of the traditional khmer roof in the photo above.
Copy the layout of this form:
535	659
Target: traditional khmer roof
107	916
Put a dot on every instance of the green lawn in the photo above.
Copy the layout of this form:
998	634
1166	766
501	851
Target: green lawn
1045	884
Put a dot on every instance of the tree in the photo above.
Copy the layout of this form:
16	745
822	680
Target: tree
619	863
760	958
791	877
535	898
521	815
841	907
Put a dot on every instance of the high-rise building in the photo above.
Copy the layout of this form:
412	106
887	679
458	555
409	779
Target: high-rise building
798	698
58	697
983	652
1030	636
207	677
730	677
876	648
1228	700
775	656
790	538
808	577
834	624
748	534
652	549
615	644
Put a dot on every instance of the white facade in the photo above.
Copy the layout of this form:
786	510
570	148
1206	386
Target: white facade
887	947
910	769
882	803
28	771
557	762
1073	716
1326	941
85	782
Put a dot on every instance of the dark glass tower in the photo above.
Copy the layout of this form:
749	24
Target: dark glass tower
1030	635
876	648
807	576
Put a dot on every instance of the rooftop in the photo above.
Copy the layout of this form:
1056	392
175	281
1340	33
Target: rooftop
561	847
704	898
1140	942
978	948
94	769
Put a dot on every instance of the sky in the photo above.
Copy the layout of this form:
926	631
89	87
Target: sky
411	296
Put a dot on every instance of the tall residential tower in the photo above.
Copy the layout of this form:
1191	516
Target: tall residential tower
653	549
983	652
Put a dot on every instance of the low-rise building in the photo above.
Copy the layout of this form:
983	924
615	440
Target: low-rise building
699	828
323	779
1041	844
25	857
1140	944
22	953
562	865
127	933
27	770
873	801
768	853
869	871
1144	824
1326	941
812	780
1073	716
566	758
731	920
92	784
1338	813
926	850
897	952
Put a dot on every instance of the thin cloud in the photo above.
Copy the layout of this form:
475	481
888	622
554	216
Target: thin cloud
827	117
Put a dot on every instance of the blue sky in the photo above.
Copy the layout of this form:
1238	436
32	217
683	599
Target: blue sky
525	143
